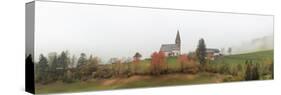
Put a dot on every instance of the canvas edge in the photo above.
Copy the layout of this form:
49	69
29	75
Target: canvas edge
29	47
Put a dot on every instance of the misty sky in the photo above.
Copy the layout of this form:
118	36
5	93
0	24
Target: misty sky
110	31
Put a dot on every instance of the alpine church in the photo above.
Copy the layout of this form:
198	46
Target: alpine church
172	49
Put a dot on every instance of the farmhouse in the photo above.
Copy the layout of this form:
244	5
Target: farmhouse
172	49
212	53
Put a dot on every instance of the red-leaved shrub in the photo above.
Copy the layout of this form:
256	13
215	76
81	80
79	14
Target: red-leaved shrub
158	63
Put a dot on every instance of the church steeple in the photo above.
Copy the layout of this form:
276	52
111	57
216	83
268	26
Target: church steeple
178	39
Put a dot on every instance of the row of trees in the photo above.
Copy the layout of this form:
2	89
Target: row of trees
51	69
68	69
62	67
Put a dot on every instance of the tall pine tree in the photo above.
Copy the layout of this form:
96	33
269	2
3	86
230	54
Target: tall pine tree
82	60
201	51
42	68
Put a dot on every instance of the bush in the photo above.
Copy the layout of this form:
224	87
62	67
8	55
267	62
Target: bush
135	68
235	70
241	71
119	69
187	65
266	69
251	72
183	60
103	72
192	67
224	69
69	78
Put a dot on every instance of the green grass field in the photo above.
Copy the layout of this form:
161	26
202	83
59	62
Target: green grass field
136	81
240	58
131	82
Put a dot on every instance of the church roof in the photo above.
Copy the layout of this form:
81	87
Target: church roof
169	47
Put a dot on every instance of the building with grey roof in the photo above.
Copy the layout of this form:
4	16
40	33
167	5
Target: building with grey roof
172	49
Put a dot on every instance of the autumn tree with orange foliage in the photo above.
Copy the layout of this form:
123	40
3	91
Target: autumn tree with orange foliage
158	63
188	65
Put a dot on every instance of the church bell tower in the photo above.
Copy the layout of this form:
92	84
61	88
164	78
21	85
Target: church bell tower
178	40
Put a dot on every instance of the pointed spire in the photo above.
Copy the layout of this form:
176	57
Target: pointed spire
178	39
